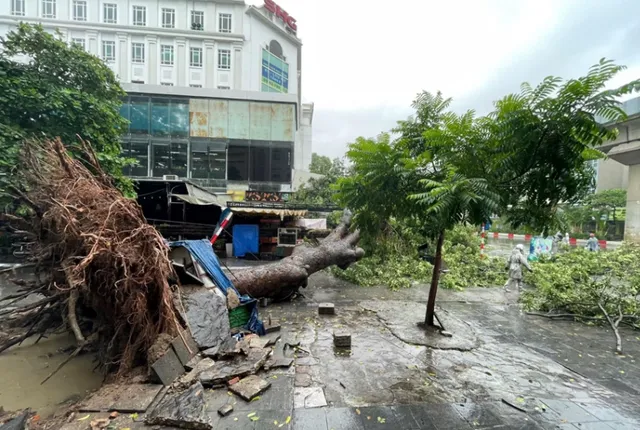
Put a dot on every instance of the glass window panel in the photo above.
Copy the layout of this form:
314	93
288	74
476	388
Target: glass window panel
259	164
238	165
124	112
281	165
161	160
160	117
208	161
179	159
140	152
139	111
179	118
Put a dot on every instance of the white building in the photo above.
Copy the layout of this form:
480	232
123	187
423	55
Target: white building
214	85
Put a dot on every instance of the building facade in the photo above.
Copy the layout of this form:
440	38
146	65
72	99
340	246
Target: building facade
214	86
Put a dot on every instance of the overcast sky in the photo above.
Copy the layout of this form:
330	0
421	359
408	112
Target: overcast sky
364	61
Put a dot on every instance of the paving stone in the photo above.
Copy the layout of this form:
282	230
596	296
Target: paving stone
326	309
167	368
306	361
273	339
240	366
478	415
184	410
602	412
101	400
309	419
273	419
182	350
273	363
445	416
404	417
308	397
207	316
303	369
378	417
250	387
344	419
421	416
136	398
342	339
302	380
225	410
258	342
569	411
279	396
272	328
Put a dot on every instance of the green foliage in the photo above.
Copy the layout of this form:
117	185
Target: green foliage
59	91
320	164
600	207
319	191
576	282
395	262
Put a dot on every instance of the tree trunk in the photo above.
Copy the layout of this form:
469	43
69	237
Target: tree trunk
435	278
279	280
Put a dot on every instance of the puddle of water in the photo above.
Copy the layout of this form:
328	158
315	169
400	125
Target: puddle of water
23	368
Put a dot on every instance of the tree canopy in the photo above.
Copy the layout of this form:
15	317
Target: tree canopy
320	164
49	89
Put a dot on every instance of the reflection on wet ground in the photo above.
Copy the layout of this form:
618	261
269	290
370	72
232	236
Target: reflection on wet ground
522	360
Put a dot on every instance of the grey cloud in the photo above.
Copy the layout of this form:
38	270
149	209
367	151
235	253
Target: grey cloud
594	30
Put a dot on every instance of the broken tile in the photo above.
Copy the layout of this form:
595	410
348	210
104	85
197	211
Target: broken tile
167	368
192	376
184	410
273	362
326	309
193	362
225	410
182	350
240	366
258	342
271	328
272	339
250	387
302	380
308	397
342	339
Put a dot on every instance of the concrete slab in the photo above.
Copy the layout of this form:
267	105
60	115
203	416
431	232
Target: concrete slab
182	350
184	410
250	387
167	368
309	397
136	398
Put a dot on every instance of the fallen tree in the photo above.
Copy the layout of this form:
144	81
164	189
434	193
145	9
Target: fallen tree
103	273
280	279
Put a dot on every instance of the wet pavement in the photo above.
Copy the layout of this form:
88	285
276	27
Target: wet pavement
525	372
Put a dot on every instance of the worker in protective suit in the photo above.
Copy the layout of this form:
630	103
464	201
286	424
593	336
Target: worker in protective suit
514	264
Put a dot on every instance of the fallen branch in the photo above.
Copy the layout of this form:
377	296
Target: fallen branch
614	326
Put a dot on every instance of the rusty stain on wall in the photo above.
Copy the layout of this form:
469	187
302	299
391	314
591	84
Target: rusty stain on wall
198	118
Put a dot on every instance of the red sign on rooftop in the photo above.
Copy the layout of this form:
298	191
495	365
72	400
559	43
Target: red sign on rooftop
289	21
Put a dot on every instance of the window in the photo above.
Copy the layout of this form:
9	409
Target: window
17	7
168	18
179	118
110	13
224	23
238	167
259	162
48	8
139	115
140	15
197	20
108	51
166	55
280	164
137	53
196	57
208	160
78	42
224	59
79	10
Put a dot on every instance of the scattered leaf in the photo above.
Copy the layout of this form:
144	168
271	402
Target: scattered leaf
230	393
275	422
288	420
520	400
622	371
251	414
235	419
382	420
275	376
358	411
254	418
368	417
134	416
256	398
84	418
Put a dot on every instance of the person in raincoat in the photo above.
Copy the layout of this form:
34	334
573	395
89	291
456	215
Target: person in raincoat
514	264
592	243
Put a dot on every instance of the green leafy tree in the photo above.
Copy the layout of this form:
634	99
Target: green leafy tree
320	164
319	191
49	89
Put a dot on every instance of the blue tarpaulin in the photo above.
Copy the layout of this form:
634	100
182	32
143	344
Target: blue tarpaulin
202	252
245	239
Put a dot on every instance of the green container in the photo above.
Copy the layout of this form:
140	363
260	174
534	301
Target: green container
239	316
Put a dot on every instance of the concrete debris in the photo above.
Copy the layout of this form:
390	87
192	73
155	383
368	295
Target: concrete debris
271	328
258	342
272	339
225	410
193	362
342	339
19	422
184	349
250	387
326	309
191	377
274	362
308	397
224	371
130	398
167	368
184	410
207	316
230	348
302	380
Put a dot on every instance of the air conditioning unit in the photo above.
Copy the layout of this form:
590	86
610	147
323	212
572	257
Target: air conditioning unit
170	177
288	236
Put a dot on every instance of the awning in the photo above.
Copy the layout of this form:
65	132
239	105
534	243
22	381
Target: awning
271	211
199	196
